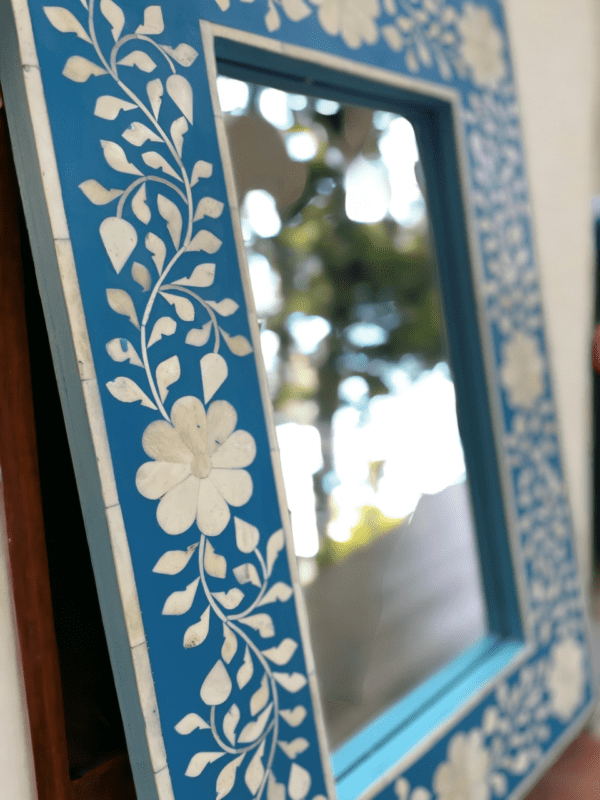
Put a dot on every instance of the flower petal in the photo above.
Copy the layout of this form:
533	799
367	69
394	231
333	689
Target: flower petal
234	484
189	418
155	478
221	421
177	509
212	511
162	442
238	451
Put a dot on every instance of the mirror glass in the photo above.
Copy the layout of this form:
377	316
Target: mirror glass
352	333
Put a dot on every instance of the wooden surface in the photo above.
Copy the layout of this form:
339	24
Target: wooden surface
25	526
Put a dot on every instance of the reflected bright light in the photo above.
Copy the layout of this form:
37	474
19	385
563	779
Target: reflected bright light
266	285
308	331
273	105
270	345
301	145
260	210
366	334
367	191
233	95
398	148
326	107
301	457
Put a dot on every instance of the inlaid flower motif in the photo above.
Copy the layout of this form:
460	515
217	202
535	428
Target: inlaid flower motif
481	46
355	20
465	775
522	372
403	792
198	464
565	678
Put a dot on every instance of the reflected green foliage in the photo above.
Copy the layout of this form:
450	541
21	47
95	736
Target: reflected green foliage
347	273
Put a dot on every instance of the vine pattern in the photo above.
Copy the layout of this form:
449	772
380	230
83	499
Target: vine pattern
199	459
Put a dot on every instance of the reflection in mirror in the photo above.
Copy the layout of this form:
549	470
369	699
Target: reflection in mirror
352	334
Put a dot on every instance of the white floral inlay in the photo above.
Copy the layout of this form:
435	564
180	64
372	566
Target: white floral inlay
465	774
481	45
522	371
565	678
354	20
198	466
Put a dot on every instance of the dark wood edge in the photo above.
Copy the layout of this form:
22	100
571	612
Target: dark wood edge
28	563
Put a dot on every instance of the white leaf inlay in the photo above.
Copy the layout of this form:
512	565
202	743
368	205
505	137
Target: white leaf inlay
167	373
79	69
281	654
183	54
230	599
116	158
179	603
293	716
230	644
299	782
239	345
178	130
165	326
279	591
140	207
137	134
172	216
225	307
202	276
199	336
184	308
255	772
262	623
156	161
247	573
141	275
230	722
294	748
139	59
119	238
260	698
158	249
121	303
246	671
180	92
226	779
127	391
199	761
274	547
173	561
204	241
202	169
108	107
155	91
114	16
253	730
214	564
213	369
153	21
198	632
97	194
123	350
291	681
189	723
66	22
246	535
208	207
217	685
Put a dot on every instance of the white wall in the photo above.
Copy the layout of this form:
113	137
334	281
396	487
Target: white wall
17	780
557	63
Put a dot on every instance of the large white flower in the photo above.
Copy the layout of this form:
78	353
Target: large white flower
465	775
197	467
355	20
522	372
565	678
481	46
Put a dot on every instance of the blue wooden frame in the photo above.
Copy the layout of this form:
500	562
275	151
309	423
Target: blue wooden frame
125	178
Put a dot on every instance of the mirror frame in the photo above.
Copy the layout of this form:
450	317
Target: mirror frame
506	707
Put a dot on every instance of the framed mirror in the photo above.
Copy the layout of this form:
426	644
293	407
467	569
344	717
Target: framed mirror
149	206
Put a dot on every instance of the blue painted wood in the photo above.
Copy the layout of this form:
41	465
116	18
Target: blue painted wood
182	481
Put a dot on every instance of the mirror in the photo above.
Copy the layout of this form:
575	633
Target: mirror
352	332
